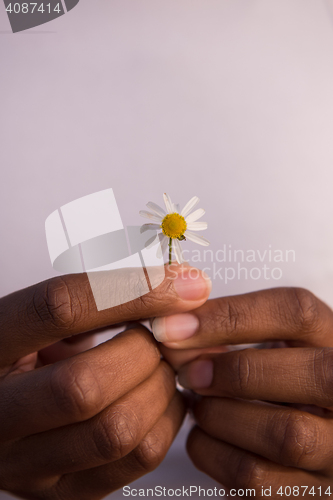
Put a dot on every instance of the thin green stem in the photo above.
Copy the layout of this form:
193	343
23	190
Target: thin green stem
170	250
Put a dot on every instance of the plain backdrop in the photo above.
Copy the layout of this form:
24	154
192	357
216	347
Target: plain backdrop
231	101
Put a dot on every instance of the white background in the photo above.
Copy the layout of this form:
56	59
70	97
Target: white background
228	100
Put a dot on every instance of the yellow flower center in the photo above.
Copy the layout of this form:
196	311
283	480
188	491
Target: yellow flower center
173	225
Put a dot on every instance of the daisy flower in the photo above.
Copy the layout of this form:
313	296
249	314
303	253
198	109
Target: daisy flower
176	226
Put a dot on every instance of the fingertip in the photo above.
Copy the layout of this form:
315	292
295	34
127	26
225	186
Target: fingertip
175	328
190	283
197	375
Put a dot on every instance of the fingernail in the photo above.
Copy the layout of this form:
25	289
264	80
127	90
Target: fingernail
196	375
175	328
192	284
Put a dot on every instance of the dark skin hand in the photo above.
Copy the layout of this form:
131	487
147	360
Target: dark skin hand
264	418
78	423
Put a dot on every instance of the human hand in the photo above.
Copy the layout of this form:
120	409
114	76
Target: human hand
83	426
244	438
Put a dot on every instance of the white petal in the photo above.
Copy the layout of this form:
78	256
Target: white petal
189	206
168	203
197	226
176	208
196	239
178	251
150	216
164	240
147	227
156	209
195	215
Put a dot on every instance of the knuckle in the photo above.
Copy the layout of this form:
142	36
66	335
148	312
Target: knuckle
239	371
299	444
305	309
116	433
250	473
150	452
227	317
144	301
75	390
52	304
